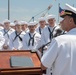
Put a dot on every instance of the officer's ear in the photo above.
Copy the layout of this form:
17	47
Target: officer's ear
70	19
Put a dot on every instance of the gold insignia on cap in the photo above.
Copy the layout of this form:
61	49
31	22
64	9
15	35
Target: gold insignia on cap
68	13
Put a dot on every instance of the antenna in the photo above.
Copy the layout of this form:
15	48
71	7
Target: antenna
58	11
8	9
47	9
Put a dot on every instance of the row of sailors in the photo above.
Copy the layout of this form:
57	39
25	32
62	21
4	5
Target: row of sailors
28	36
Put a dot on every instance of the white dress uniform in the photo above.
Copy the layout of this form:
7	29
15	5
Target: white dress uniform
46	36
31	40
1	26
2	40
62	54
6	34
39	29
16	40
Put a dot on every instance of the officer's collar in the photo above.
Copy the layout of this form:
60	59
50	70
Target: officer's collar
71	31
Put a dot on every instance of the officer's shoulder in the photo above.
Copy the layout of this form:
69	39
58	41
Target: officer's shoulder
61	38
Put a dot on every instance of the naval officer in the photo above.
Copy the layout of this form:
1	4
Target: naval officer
61	54
42	25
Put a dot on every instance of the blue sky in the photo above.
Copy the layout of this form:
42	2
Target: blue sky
25	9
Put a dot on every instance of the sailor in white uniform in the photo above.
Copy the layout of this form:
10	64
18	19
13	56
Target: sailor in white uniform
6	33
12	25
47	34
42	25
24	26
61	54
16	38
31	38
1	26
2	41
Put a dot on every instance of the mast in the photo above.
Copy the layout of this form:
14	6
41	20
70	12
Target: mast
8	9
58	11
